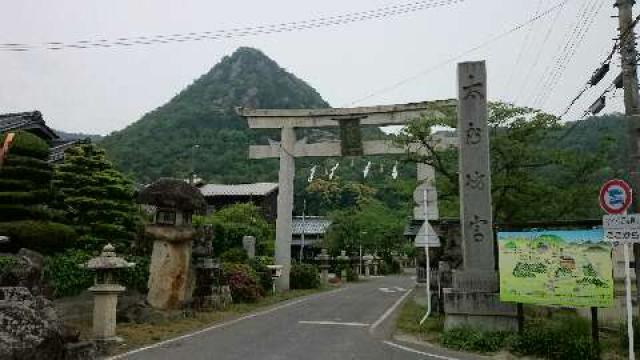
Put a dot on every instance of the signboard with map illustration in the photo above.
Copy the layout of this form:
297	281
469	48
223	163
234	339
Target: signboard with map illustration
564	268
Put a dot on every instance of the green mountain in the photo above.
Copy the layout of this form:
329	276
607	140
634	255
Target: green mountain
162	142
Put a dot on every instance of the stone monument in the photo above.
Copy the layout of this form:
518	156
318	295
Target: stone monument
249	245
105	292
171	280
474	300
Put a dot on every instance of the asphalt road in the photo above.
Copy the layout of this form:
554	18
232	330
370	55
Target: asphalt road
349	323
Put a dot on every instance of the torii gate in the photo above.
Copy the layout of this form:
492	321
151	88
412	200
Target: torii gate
349	120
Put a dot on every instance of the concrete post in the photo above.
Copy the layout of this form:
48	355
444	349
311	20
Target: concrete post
284	227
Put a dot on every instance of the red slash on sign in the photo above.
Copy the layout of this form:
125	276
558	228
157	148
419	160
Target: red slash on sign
615	196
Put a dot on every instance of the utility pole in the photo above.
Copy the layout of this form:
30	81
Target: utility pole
629	60
629	56
304	224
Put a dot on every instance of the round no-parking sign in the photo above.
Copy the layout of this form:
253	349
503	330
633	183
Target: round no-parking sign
615	196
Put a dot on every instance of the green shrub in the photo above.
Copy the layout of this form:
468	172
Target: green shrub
566	338
468	339
6	262
352	276
234	256
263	273
137	277
63	274
304	276
44	237
243	283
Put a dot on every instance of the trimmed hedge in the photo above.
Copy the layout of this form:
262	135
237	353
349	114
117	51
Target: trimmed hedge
304	276
27	144
63	273
41	236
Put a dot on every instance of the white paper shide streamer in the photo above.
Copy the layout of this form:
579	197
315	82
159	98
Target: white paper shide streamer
333	171
394	172
312	174
366	169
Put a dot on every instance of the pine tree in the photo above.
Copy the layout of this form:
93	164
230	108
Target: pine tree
97	198
25	191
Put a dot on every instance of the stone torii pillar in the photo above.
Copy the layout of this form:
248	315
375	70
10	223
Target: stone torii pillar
349	121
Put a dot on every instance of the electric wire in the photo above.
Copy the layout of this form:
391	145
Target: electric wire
607	60
573	50
454	58
538	56
379	13
552	78
524	46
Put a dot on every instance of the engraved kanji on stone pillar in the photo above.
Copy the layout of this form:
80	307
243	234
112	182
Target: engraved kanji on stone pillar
475	180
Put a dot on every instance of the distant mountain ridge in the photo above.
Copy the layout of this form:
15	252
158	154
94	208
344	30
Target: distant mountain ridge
78	136
163	142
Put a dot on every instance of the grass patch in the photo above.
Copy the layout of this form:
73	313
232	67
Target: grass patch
408	322
137	335
561	335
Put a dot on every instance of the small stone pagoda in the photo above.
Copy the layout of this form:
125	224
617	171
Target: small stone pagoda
170	279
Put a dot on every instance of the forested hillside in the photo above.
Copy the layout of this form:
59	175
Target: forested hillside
162	142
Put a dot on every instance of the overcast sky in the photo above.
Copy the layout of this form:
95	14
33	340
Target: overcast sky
102	90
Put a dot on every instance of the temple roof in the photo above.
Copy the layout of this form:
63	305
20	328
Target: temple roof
30	121
312	225
256	189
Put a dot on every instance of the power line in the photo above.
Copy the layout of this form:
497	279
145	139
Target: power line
536	61
379	13
524	46
460	55
606	61
551	79
573	50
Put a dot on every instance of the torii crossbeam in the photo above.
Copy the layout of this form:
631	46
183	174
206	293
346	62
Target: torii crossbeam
349	120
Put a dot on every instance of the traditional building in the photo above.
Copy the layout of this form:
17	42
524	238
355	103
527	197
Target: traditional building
313	229
34	123
263	195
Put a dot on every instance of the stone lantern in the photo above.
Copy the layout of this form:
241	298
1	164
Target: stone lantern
376	263
324	258
343	260
368	259
105	292
171	281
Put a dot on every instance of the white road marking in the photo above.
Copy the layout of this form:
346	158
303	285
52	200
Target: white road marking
231	322
400	289
389	311
386	290
401	347
334	323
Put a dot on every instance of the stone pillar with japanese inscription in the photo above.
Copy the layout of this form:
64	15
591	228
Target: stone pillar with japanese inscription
473	299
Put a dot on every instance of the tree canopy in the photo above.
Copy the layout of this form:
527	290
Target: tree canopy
97	199
535	176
